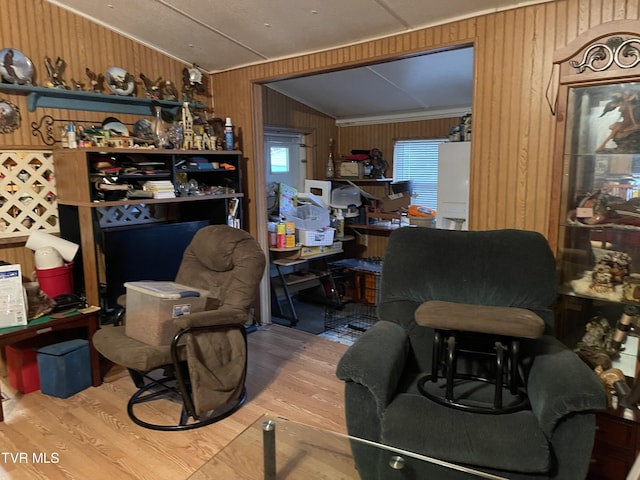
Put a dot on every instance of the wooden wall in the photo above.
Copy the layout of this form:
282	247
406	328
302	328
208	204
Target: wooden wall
513	128
38	29
282	111
383	136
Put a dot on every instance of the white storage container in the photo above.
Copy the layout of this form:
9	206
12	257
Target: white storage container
309	217
345	197
310	238
151	306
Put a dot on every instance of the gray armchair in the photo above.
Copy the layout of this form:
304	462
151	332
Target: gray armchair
550	440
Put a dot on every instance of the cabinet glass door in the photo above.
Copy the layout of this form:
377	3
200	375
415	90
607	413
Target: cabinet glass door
600	219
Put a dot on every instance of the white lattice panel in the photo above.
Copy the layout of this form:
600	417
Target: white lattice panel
131	215
28	198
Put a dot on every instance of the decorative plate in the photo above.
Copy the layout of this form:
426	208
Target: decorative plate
115	127
119	81
9	116
15	67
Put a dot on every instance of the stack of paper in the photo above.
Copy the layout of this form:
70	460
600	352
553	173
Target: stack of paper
160	188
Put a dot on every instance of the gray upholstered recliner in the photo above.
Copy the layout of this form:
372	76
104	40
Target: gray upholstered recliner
550	440
205	364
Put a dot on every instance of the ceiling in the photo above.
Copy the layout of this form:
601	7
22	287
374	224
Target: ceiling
427	86
218	36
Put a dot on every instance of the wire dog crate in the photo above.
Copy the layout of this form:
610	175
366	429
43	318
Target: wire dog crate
358	284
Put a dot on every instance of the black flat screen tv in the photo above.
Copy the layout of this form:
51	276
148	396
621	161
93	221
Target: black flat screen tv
143	252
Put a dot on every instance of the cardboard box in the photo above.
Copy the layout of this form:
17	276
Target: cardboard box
152	305
290	241
13	310
311	238
289	228
394	202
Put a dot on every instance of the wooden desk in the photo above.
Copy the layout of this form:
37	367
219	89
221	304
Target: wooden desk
46	325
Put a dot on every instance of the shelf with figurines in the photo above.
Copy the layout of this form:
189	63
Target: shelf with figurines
17	73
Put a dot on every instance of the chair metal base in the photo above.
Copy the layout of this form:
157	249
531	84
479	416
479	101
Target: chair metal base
161	388
444	375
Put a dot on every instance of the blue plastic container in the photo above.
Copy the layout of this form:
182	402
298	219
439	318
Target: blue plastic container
64	368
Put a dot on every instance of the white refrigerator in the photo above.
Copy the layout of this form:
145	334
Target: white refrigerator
452	212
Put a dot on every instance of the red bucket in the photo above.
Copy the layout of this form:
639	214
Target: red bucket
56	281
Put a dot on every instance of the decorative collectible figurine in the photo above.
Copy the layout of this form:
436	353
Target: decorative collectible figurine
626	132
96	80
55	72
187	128
192	83
77	86
378	164
217	130
152	89
169	91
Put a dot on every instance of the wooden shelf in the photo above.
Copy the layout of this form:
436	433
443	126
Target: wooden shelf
84	215
42	97
148	201
365	181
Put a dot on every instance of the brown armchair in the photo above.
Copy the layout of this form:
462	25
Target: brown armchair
205	364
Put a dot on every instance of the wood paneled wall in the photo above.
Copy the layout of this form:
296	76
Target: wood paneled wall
282	111
513	128
512	123
383	136
39	29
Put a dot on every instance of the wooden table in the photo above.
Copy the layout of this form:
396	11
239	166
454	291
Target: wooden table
47	325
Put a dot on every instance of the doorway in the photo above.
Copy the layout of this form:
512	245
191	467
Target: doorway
422	86
284	155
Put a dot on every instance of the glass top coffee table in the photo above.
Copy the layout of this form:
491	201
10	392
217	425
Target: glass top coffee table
274	448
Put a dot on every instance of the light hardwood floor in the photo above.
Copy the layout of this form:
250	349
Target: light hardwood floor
90	436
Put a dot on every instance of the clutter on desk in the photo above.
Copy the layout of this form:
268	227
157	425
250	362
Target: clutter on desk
303	219
311	225
363	164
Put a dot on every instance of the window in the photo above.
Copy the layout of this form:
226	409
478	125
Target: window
279	159
417	160
284	157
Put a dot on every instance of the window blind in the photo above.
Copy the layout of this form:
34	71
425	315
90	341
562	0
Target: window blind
417	160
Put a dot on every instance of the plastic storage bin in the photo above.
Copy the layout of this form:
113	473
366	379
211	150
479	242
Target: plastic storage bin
152	305
311	238
345	197
22	364
64	368
309	217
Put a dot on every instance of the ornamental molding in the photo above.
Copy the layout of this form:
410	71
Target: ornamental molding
624	53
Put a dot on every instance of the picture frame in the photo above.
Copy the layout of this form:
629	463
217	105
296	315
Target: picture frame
10	117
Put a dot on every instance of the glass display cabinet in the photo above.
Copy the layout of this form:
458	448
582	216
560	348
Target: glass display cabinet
597	173
595	219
